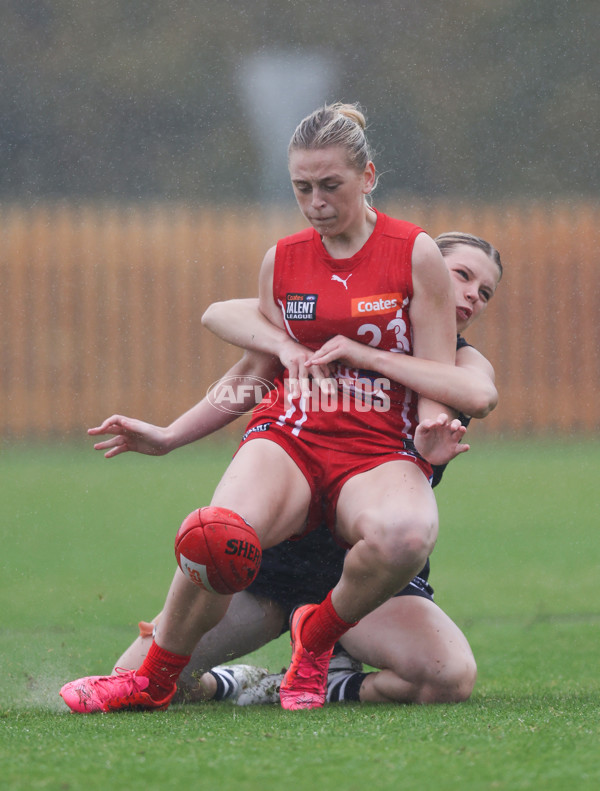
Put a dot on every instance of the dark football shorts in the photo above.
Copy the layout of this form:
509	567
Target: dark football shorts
303	571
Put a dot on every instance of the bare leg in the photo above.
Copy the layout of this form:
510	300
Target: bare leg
389	515
250	622
423	655
265	487
275	504
134	654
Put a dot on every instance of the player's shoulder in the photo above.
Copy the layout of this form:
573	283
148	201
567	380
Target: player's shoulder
300	237
398	229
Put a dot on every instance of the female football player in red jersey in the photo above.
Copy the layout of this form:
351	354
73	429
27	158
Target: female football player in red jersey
424	655
363	462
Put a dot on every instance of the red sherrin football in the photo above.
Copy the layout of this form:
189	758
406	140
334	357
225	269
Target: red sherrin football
217	550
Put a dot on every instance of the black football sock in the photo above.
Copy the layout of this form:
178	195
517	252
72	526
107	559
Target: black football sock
226	683
345	687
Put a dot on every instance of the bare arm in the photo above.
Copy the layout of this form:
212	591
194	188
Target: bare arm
240	322
254	324
483	396
258	325
206	417
467	386
432	314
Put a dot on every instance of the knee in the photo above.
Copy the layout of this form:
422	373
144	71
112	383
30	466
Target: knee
422	683
401	544
449	682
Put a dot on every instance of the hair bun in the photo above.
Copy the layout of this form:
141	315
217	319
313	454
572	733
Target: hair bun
351	111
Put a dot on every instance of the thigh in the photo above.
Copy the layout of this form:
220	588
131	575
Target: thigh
410	635
265	486
393	494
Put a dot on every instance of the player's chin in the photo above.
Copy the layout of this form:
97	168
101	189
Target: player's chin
326	226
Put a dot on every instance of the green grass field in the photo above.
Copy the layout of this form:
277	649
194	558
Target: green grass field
87	552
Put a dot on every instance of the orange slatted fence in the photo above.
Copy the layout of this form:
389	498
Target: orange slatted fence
100	309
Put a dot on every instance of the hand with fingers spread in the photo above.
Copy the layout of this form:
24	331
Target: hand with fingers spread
130	434
295	358
438	440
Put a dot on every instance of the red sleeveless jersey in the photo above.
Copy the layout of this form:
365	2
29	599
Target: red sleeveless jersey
365	298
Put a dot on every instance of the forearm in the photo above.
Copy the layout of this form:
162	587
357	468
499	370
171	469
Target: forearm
465	390
209	414
201	420
239	322
466	385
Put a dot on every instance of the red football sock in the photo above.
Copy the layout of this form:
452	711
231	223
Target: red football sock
163	669
323	628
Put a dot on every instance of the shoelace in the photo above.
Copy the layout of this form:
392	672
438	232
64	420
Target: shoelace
311	666
124	677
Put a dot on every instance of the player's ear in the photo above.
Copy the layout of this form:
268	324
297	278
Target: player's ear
369	178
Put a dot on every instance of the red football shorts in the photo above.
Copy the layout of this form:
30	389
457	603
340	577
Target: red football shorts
327	469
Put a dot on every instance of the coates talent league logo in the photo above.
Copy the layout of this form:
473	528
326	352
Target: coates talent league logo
301	307
240	394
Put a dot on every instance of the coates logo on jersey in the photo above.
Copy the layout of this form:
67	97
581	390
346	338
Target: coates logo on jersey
301	307
377	304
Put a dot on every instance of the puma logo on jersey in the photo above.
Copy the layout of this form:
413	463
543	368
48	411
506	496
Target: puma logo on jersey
341	280
377	304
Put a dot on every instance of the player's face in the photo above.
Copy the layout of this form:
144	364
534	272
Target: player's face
475	278
329	190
